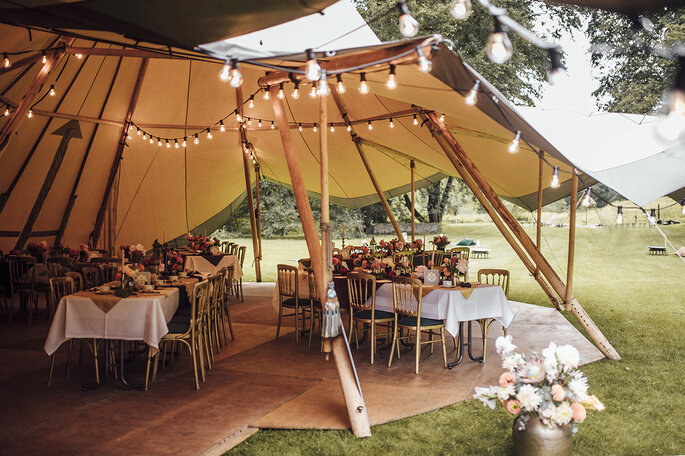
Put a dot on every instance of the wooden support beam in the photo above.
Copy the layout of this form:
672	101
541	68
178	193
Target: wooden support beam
19	113
248	187
516	229
353	399
258	217
72	198
325	198
538	224
412	166
571	238
357	142
95	235
28	60
110	52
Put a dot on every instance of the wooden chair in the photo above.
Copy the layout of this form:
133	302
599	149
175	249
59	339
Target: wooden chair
406	299
225	308
91	275
55	267
78	280
107	272
398	257
233	249
59	288
315	307
22	270
226	246
189	332
461	253
217	283
288	296
361	289
239	282
494	277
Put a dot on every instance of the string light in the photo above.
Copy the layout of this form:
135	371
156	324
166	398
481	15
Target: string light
370	126
30	113
312	93
323	90
556	67
52	90
409	26
349	127
442	117
555	178
312	68
266	93
159	142
296	90
340	87
281	93
79	56
315	128
6	60
259	124
392	124
472	97
587	199
299	126
196	140
222	128
514	145
144	137
209	134
44	60
249	121
238	117
392	78
176	143
332	127
499	48
167	144
184	142
272	125
425	65
138	132
235	76
7	112
250	104
363	86
619	217
415	121
460	9
152	141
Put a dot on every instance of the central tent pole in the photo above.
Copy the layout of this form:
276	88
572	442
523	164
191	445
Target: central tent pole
356	408
538	225
258	217
412	167
571	237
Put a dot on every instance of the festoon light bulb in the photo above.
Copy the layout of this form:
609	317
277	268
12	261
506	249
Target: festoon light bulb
340	87
425	65
472	96
323	90
499	48
460	9
514	145
312	68
555	178
409	26
619	216
392	78
363	86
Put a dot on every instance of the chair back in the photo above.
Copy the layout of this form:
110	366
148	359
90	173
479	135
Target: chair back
61	287
437	257
91	275
55	269
361	287
233	249
337	251
22	270
460	253
495	277
77	278
107	272
313	287
100	260
225	246
287	280
407	295
241	255
228	282
399	257
199	307
216	282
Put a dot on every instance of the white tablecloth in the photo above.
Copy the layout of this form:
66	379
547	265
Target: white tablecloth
136	318
486	301
200	264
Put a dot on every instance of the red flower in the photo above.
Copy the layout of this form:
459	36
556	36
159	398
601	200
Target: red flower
391	274
117	276
336	261
344	270
365	264
364	250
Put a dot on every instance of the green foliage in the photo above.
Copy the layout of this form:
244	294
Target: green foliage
634	80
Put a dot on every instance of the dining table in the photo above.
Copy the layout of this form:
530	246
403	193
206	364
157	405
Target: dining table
207	264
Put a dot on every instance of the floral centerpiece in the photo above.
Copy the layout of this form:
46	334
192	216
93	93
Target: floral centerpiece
38	251
453	268
548	387
174	262
339	265
201	243
134	253
415	246
441	242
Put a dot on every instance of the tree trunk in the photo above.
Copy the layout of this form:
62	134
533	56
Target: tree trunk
417	214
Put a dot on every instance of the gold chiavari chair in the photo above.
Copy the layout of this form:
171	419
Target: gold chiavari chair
239	282
361	290
460	253
226	246
216	283
59	288
398	258
437	256
22	270
233	249
494	277
91	275
406	299
107	272
225	309
288	296
78	280
189	332
314	304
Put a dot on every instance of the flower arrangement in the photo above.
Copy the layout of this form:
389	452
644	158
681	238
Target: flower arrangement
38	251
453	267
174	262
547	386
441	242
339	265
135	253
415	246
201	243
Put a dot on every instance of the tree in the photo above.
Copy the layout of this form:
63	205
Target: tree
634	80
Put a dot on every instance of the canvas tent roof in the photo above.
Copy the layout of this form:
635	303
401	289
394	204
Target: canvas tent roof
176	189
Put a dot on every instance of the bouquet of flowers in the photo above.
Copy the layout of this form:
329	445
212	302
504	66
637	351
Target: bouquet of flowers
441	242
339	266
136	253
547	386
453	267
174	262
201	243
416	246
38	251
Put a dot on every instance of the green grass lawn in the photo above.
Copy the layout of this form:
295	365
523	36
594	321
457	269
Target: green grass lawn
636	299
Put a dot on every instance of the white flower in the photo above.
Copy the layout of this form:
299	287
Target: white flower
568	356
486	396
504	345
578	387
548	413
504	393
511	361
549	362
140	247
528	397
562	413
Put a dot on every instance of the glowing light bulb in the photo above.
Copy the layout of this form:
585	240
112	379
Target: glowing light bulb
312	93
152	141
250	104
312	68
167	144
238	117
340	87
184	142
6	61
363	86
30	113
671	126
176	143
296	90
332	128
499	48
349	127
514	145
196	140
138	131
209	134
259	124
460	9
409	26
619	217
555	178
222	127
425	65
415	121
587	199
314	128
144	137
392	124
235	76
7	112
281	93
225	72
249	121
299	126
370	126
272	125
52	90
472	97
44	60
392	78
159	142
322	89
266	93
442	117
79	56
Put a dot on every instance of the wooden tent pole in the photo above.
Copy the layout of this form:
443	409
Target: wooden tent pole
72	198
412	167
358	143
248	187
19	114
325	209
258	217
355	404
538	224
571	237
546	269
97	228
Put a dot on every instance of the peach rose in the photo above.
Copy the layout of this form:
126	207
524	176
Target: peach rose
513	407
558	392
579	412
507	378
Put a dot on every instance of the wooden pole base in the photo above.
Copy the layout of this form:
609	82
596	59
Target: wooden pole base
356	408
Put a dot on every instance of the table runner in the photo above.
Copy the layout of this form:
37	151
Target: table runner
465	291
214	259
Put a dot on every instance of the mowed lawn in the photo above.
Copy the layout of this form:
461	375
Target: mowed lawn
636	299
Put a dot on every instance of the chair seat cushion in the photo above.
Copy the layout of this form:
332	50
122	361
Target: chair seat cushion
178	326
290	302
411	321
379	314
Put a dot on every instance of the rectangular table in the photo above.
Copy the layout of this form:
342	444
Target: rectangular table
201	264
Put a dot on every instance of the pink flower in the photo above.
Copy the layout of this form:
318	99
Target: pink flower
447	273
513	407
507	378
336	262
579	412
558	392
365	264
117	276
400	245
